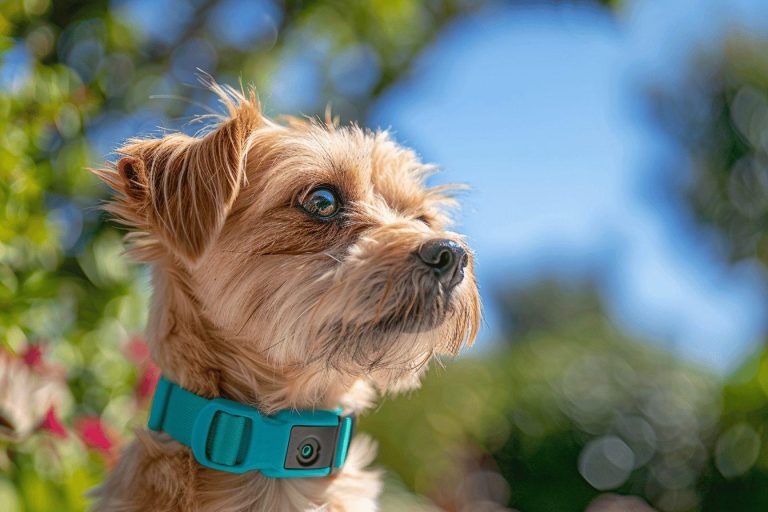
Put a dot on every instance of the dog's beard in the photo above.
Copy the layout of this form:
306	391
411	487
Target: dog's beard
401	340
394	319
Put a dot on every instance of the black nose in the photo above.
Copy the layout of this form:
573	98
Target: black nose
447	260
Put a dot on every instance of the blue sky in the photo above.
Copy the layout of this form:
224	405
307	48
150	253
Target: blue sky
538	109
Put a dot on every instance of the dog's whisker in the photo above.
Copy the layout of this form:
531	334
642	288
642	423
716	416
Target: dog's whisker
331	256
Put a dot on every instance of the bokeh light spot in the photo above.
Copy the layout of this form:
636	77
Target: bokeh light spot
737	450
606	462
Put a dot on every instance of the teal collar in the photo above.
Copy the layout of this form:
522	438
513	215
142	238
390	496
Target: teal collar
234	437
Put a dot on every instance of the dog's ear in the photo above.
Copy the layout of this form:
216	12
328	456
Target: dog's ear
176	191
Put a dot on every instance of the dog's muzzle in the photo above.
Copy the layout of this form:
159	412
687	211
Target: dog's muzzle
236	438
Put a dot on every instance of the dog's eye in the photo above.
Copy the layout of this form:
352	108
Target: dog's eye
322	203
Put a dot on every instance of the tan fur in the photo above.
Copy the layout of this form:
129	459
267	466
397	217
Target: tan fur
257	301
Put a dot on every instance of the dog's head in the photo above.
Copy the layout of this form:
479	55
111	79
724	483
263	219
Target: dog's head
304	245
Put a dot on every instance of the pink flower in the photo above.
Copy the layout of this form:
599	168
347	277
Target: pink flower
94	434
52	424
33	356
147	383
28	396
137	350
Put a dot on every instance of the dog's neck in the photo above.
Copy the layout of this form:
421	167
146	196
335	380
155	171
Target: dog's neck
191	351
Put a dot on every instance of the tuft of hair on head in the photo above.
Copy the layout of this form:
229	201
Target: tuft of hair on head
175	192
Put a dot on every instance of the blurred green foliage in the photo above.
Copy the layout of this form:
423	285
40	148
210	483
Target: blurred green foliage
718	116
568	409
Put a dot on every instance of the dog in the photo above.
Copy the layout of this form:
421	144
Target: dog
297	265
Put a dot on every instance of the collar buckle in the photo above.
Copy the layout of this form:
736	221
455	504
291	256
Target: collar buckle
221	436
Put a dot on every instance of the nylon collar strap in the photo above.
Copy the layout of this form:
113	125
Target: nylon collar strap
234	437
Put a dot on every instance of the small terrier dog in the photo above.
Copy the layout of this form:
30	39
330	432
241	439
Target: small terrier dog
296	265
